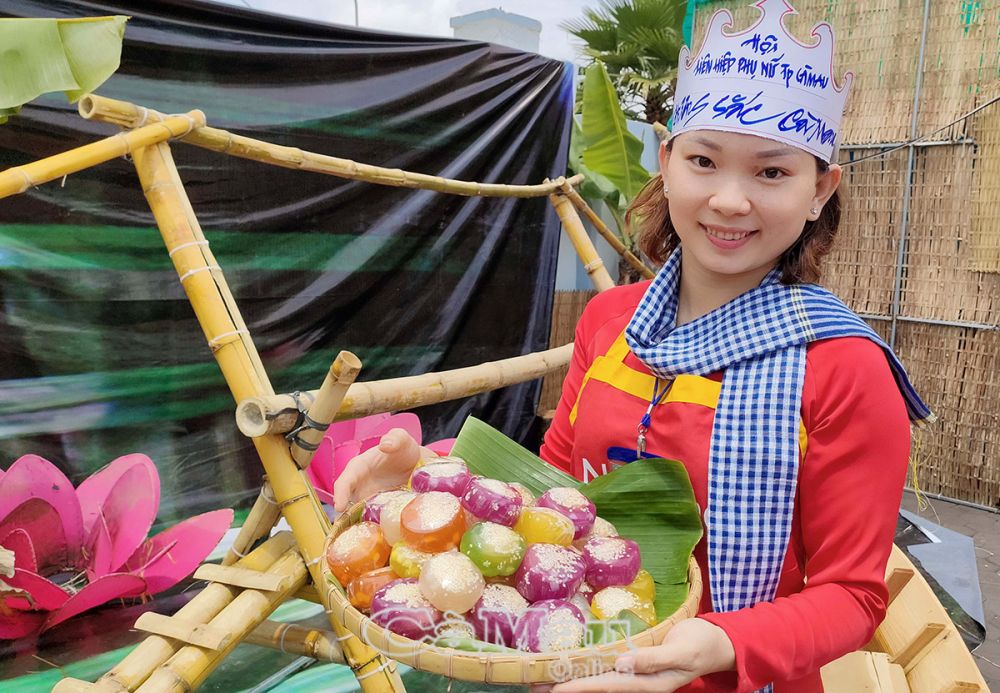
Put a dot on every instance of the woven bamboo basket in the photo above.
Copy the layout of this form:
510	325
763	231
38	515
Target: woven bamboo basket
489	667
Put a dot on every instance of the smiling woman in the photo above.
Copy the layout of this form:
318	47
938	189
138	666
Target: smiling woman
789	414
801	260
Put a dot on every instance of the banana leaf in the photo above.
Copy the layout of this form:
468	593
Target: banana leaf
649	501
74	56
609	149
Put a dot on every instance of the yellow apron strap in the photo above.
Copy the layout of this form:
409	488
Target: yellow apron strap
610	368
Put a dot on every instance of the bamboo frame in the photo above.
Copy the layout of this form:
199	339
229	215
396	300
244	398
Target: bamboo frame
295	496
306	439
128	115
257	416
260	520
606	233
137	666
573	226
298	640
19	178
187	669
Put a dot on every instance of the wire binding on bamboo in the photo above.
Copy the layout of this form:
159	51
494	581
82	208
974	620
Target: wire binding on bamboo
129	115
20	178
257	416
306	437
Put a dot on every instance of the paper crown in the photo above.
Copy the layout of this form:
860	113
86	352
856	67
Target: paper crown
763	81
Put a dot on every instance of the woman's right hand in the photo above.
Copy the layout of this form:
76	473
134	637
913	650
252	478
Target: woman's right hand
385	466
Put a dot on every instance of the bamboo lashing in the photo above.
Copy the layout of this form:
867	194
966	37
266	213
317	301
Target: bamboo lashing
292	491
128	115
136	667
186	670
257	416
297	640
571	222
19	178
305	439
606	233
260	520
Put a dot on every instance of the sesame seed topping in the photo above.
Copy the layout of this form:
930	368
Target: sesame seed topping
559	562
499	538
455	629
355	536
606	549
612	600
406	594
527	497
437	509
603	528
561	630
568	497
499	487
442	469
503	598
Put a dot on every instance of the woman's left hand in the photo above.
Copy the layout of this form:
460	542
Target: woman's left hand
692	648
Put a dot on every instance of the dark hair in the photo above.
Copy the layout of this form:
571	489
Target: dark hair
649	215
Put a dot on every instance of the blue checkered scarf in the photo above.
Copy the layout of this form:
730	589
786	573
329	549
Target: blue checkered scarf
759	339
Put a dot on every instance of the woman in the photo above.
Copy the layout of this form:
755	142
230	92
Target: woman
790	415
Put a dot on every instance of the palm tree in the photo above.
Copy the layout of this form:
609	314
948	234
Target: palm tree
638	41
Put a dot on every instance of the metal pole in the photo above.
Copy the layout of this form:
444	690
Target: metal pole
908	192
356	13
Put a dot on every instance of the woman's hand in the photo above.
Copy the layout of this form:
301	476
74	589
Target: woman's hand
385	466
692	648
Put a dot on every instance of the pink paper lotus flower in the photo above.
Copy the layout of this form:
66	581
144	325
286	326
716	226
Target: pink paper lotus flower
344	440
75	549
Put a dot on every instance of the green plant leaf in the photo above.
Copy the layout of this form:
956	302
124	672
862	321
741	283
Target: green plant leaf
74	56
595	187
649	501
490	453
610	150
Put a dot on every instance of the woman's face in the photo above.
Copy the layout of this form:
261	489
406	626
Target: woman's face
738	202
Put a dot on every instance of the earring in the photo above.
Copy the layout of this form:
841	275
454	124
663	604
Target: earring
814	212
666	190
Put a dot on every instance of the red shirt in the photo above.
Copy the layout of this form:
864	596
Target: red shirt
856	446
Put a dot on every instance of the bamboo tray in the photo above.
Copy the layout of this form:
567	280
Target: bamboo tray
489	667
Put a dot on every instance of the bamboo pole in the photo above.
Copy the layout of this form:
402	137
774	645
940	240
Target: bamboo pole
305	441
129	115
136	667
608	235
19	178
261	519
292	491
298	640
581	241
257	416
189	667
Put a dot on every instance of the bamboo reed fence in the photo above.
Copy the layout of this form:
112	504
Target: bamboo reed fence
918	253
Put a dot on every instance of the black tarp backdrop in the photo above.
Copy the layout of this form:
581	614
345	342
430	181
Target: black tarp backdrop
100	353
